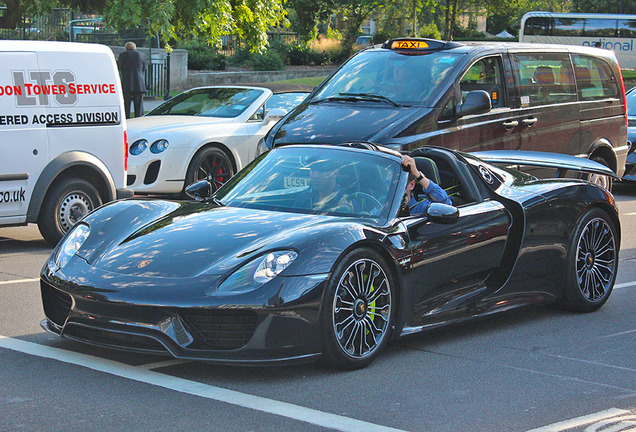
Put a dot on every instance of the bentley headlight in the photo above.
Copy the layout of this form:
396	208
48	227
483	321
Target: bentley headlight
159	146
256	272
71	244
138	147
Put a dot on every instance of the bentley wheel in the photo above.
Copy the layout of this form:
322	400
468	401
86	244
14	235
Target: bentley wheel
65	204
592	263
211	164
358	309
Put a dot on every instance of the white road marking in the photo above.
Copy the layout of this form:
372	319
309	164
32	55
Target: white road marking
10	282
628	214
581	421
625	285
296	412
157	365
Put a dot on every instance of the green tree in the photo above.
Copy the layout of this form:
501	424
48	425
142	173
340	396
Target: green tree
307	14
605	6
354	12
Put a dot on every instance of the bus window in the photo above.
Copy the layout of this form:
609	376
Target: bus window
627	28
594	78
599	27
567	26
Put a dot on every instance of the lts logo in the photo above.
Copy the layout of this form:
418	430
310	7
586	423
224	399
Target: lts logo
38	87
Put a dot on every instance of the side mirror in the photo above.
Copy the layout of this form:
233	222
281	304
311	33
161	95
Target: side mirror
477	102
442	213
200	190
274	115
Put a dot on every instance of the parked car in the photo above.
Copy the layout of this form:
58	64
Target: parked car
470	96
206	132
264	270
630	165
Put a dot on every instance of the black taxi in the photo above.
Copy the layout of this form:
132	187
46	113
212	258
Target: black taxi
472	96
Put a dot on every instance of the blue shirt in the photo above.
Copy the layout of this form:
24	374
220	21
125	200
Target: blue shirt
434	193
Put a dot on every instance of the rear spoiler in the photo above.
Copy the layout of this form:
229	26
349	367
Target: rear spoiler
562	163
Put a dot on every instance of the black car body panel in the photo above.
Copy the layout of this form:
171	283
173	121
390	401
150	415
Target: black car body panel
157	275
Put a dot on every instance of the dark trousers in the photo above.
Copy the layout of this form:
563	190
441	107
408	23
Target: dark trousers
137	98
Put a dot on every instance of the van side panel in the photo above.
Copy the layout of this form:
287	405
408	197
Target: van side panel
88	115
23	143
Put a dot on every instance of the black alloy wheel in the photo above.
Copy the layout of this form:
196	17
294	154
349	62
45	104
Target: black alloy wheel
357	311
211	164
592	263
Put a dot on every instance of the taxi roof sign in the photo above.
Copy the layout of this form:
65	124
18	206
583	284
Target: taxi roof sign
417	44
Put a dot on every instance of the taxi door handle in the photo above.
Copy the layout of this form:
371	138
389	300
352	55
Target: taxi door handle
510	124
530	121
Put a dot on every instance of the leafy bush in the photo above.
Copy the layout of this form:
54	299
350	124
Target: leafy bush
203	57
303	55
268	61
241	58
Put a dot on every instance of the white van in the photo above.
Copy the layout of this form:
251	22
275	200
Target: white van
63	146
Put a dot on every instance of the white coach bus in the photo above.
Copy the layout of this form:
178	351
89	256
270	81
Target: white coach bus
610	31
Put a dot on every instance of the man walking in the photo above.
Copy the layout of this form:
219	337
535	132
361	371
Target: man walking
132	67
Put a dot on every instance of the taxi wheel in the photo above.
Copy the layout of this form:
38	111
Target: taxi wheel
66	202
601	180
210	163
358	310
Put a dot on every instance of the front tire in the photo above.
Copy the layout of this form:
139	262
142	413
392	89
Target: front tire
212	164
358	310
592	263
66	202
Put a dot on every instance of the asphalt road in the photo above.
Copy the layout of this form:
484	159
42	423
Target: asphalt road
533	369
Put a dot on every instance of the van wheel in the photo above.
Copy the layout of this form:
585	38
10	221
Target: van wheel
601	180
212	164
66	202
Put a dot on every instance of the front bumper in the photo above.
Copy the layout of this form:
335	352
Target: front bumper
277	323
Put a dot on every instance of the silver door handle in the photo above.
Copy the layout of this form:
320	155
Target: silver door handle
530	121
511	124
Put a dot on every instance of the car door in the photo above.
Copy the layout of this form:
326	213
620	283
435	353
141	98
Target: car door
548	105
23	141
451	262
494	130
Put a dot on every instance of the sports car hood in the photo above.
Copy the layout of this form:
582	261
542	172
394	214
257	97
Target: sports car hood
184	239
337	122
168	123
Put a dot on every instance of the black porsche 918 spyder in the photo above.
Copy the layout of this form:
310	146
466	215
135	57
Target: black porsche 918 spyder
310	253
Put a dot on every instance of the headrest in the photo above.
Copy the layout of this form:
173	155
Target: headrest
544	75
428	167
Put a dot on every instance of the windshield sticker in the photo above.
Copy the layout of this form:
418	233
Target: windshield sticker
525	100
447	60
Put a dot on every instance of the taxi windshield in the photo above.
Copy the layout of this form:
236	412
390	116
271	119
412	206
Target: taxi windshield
389	77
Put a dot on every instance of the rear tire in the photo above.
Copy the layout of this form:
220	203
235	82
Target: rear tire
67	201
592	263
358	310
601	180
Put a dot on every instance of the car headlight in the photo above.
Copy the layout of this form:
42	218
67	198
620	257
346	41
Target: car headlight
159	146
256	272
71	244
138	147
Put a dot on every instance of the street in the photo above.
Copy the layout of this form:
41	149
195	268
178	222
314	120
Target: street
535	369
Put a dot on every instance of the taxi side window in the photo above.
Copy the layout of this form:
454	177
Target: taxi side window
594	78
544	78
485	74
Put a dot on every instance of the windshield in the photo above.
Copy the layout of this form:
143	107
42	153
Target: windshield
332	181
403	79
209	102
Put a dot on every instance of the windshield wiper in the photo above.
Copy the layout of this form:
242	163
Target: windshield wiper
371	96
